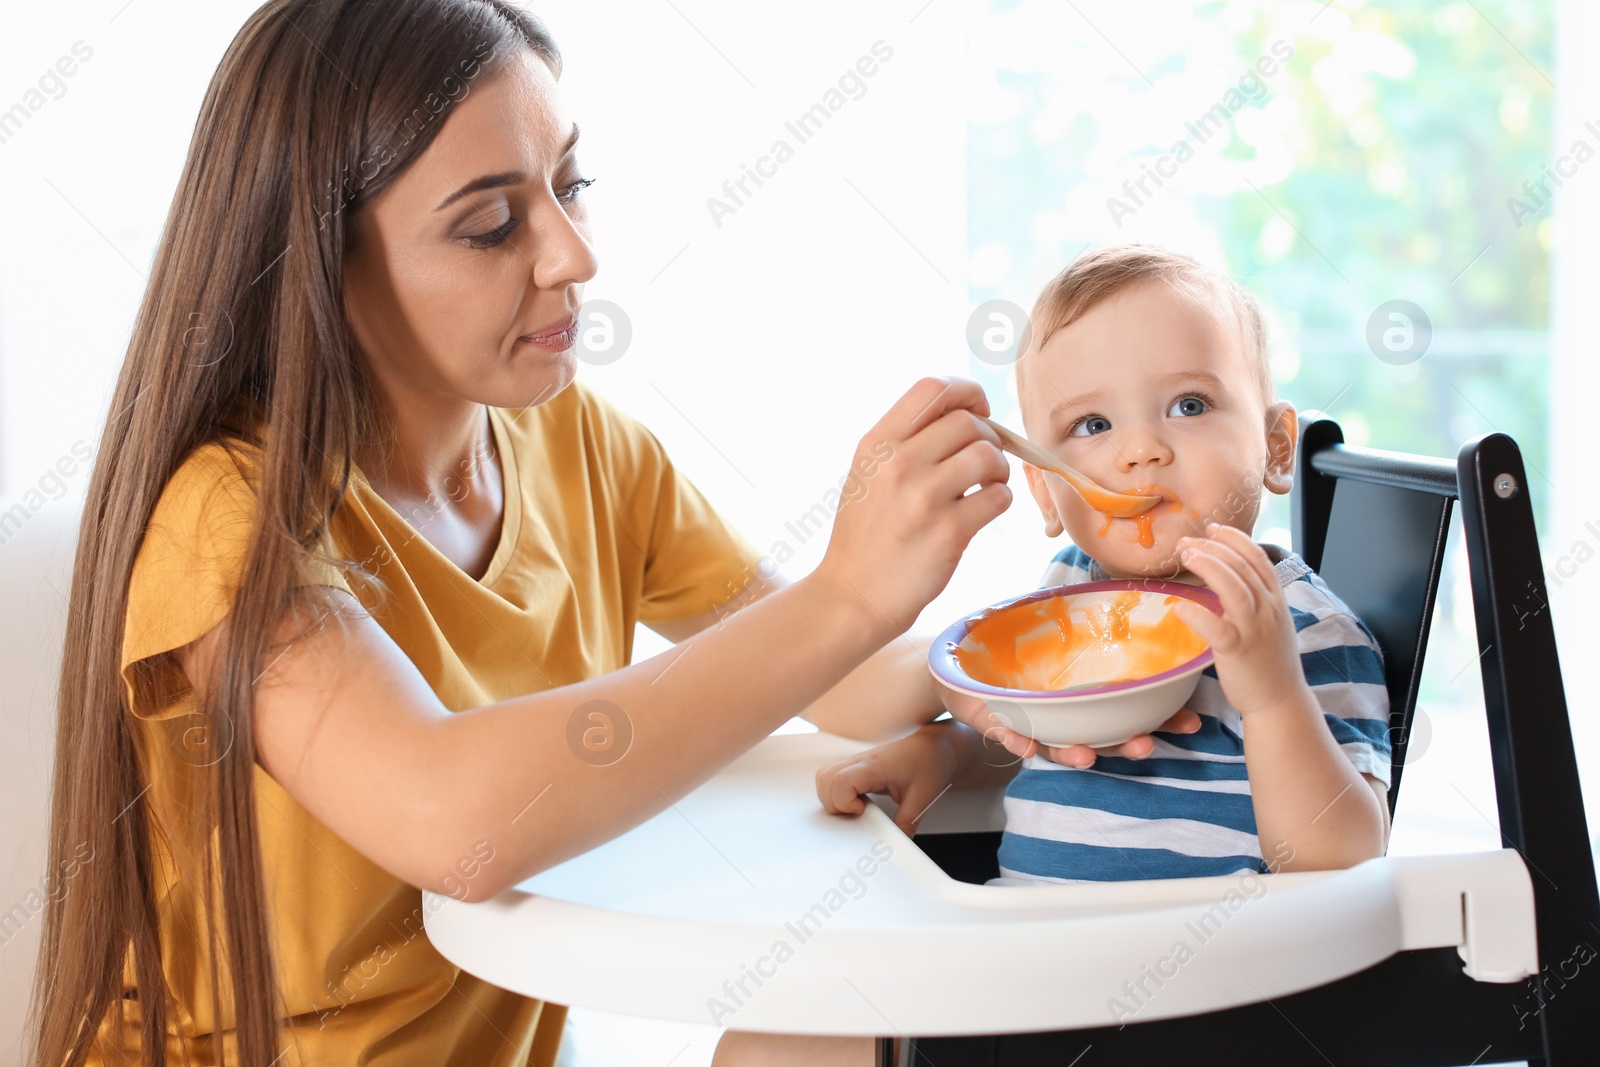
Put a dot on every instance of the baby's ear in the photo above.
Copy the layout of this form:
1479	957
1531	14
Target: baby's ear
1047	504
1283	435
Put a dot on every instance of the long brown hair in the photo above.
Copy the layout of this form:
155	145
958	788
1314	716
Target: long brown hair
316	107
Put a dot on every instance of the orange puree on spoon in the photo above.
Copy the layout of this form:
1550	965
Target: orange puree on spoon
1145	519
1051	644
1102	499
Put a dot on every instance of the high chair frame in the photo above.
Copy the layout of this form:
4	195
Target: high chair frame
1374	525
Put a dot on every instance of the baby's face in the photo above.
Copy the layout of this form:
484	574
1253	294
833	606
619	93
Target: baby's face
1152	392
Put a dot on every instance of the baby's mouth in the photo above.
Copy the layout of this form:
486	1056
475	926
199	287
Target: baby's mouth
1145	521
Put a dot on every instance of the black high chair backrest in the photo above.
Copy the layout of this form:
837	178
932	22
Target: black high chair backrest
1373	524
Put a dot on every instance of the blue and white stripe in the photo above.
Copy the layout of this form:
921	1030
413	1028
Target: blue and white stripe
1186	811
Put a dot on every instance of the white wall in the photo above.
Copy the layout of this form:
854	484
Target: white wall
771	343
763	348
1572	543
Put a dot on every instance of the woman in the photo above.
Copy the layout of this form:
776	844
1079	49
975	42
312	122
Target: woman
357	582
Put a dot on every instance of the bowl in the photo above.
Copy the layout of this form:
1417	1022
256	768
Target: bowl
1093	664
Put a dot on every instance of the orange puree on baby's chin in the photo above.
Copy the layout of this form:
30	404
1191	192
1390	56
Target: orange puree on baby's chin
1086	640
1145	519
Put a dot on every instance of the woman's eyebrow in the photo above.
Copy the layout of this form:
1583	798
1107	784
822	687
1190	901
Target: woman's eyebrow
495	181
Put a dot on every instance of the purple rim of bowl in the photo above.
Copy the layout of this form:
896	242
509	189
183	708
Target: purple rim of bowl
942	659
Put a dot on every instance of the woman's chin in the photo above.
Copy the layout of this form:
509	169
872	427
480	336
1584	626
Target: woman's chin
557	371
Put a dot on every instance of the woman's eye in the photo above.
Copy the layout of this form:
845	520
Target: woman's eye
570	193
494	237
1188	405
1090	425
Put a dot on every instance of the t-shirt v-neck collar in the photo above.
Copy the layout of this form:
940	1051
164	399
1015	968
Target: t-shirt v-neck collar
511	495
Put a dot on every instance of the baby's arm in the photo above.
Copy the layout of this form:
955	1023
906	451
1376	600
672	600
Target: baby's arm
915	771
1314	810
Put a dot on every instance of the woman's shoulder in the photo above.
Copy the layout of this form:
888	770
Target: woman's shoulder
207	503
191	554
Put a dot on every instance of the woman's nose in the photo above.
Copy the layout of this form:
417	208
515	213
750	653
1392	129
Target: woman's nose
563	255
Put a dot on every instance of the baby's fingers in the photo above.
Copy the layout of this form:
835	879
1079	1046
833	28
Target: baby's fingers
1248	550
1213	629
1136	748
1224	572
1019	745
841	787
996	732
1069	755
1184	721
919	797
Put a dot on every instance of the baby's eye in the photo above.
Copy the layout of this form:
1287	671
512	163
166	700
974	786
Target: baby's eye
1090	425
1189	405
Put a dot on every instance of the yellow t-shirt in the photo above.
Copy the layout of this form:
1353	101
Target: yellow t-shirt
599	532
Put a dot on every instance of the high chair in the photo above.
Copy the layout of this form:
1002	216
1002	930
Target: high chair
744	905
1507	971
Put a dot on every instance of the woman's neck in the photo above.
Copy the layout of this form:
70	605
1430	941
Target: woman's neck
434	450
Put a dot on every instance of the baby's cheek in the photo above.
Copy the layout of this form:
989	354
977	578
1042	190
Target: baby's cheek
1069	506
1087	529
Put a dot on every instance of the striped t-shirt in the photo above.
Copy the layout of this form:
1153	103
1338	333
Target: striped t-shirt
1185	810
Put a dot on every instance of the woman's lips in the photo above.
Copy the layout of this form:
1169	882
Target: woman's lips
555	338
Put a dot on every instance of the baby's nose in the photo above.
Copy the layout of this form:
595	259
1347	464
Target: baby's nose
1145	449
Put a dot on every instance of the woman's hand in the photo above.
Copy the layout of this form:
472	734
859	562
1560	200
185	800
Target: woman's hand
976	714
905	515
915	771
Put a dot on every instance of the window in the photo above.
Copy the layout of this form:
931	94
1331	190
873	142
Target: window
1381	178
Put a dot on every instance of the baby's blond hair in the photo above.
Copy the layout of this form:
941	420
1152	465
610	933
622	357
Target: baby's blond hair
1097	275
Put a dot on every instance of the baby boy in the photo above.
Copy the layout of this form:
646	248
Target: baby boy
1149	373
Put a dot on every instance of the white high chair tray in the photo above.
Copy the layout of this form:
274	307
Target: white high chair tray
745	905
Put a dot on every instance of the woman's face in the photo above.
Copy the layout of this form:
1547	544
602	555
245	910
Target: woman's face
441	286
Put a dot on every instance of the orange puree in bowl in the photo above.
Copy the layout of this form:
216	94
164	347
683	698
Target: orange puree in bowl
1086	640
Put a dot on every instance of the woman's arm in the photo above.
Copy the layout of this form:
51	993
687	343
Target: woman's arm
351	729
894	691
890	693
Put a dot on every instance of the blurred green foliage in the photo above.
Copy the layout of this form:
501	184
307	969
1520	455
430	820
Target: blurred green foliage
1377	166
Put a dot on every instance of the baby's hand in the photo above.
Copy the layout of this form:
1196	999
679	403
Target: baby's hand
976	714
915	771
1257	659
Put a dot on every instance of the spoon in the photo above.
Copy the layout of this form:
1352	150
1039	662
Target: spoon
1103	500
